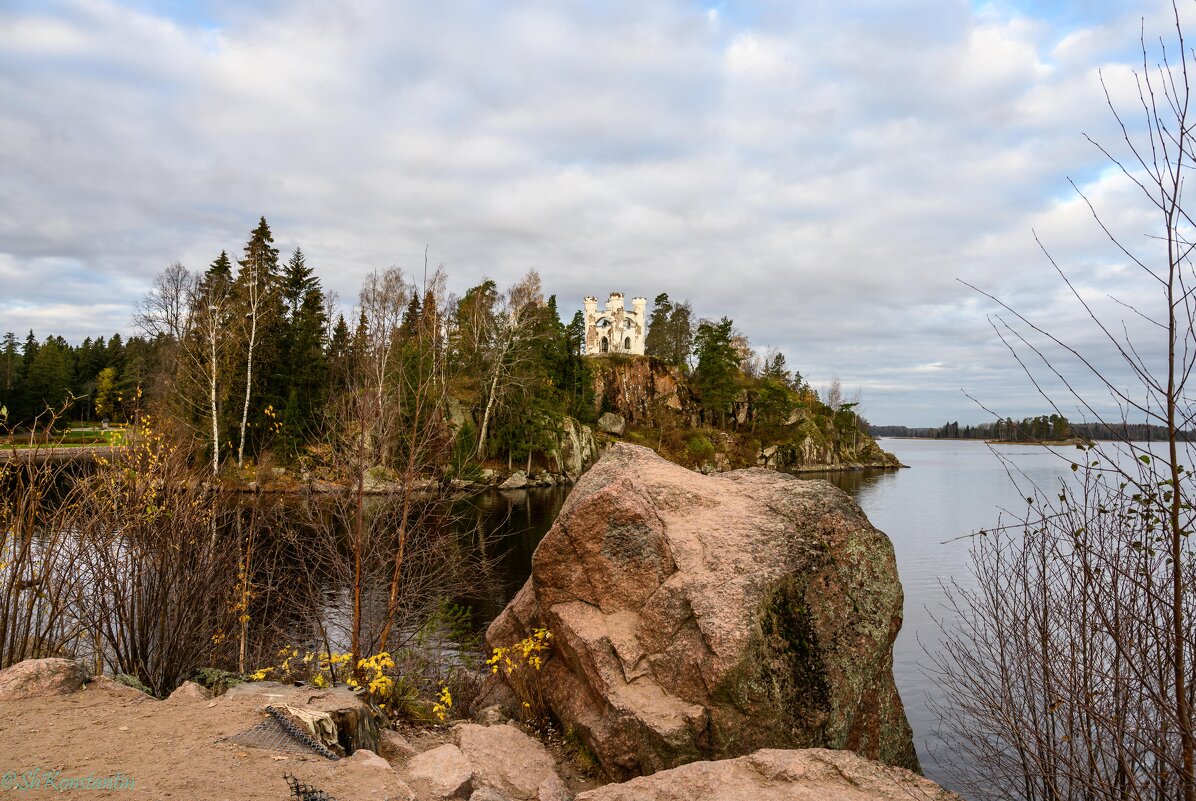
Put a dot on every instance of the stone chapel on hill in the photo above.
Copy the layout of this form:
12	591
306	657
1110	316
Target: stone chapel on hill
615	329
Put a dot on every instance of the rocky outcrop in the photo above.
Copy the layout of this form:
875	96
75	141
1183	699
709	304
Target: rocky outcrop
778	776
704	617
640	388
486	762
509	763
611	423
517	480
577	450
37	678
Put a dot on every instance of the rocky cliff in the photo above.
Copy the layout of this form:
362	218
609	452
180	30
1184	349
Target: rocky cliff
705	617
663	410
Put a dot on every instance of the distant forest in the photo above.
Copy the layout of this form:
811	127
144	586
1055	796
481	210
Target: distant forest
1034	429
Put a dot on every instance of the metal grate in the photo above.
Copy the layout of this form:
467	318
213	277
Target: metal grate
305	792
279	733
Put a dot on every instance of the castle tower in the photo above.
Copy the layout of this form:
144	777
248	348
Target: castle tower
615	329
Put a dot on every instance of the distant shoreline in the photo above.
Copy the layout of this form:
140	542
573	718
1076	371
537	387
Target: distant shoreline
1050	442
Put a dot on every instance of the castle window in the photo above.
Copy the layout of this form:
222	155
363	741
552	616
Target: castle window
605	345
627	344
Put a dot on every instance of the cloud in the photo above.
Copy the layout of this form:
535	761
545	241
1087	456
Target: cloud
824	177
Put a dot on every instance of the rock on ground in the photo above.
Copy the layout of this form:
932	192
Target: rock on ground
38	678
814	774
114	687
708	617
190	691
443	772
509	763
518	480
577	448
612	423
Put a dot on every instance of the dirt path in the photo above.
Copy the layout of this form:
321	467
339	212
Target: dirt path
169	749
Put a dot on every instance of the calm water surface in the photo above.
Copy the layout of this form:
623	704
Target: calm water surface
952	489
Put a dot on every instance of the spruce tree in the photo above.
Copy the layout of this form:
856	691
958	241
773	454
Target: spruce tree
658	341
718	366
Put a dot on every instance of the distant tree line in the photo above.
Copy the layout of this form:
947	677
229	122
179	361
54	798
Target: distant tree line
1033	429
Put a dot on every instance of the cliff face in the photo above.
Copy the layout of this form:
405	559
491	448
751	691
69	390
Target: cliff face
642	389
663	410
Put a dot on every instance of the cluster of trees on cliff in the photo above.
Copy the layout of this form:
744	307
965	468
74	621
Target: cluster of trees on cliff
736	385
251	356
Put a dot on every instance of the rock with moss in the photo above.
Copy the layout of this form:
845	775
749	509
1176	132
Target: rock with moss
706	617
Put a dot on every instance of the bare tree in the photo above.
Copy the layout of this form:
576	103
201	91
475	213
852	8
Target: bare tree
256	293
509	331
1070	674
165	308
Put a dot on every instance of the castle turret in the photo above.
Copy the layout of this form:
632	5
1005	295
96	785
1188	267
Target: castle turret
615	329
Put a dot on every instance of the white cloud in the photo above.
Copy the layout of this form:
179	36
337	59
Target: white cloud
823	177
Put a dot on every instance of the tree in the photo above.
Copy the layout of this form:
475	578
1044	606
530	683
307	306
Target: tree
106	398
681	327
717	367
49	377
256	292
302	373
163	310
670	334
10	364
1069	674
659	340
204	352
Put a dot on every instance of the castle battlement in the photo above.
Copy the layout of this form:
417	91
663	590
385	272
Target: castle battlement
615	329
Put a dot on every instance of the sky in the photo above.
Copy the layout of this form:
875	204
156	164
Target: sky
830	175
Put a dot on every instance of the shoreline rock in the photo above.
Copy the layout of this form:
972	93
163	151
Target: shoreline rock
699	617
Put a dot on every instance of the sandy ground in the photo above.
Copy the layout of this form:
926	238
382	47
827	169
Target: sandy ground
171	749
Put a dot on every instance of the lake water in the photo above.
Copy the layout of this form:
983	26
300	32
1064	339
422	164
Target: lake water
952	489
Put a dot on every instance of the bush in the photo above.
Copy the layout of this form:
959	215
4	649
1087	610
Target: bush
520	665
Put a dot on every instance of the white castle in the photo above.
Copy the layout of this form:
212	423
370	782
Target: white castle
615	330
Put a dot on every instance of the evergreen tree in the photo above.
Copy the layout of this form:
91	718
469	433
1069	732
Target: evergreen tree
718	366
48	381
681	331
659	341
10	365
303	366
413	319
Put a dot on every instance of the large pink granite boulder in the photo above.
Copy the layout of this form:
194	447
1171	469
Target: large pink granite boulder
704	617
814	774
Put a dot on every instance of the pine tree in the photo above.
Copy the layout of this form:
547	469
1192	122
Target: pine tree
412	319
